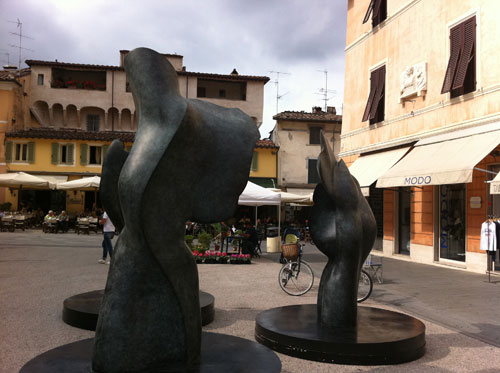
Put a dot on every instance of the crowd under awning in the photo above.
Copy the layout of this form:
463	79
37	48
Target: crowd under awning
368	168
448	158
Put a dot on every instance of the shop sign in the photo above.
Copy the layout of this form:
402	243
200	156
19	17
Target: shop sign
418	180
495	188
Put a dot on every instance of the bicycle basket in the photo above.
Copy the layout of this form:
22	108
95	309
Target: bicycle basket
290	251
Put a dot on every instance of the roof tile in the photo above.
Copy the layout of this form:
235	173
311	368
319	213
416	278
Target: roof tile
303	116
71	134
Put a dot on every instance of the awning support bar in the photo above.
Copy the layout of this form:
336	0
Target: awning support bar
487	171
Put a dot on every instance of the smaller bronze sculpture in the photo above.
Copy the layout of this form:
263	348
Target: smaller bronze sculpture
343	228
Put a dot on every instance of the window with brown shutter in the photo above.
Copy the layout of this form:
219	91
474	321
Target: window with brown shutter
378	10
460	75
375	107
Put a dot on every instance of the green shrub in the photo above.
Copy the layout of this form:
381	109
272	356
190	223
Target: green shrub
189	240
205	239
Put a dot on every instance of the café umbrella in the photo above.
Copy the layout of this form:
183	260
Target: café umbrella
85	183
20	180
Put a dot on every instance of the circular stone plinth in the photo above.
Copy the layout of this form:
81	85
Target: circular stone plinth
382	336
219	353
82	310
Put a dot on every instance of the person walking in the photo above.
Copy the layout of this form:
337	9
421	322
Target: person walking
108	230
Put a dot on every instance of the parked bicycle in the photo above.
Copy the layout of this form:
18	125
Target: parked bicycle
296	276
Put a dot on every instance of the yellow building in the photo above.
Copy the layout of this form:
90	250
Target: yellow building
68	114
421	128
263	171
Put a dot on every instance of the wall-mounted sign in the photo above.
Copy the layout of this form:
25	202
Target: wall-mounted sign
475	202
413	81
495	187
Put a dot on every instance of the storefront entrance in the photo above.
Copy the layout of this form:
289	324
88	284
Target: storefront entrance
452	222
494	206
404	221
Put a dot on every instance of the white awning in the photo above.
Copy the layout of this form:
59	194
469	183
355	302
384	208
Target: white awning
368	168
495	185
444	159
54	179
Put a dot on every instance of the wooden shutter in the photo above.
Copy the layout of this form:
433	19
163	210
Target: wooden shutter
83	154
376	11
8	151
70	159
369	11
312	171
31	152
380	91
468	32
104	150
455	49
255	161
373	90
55	153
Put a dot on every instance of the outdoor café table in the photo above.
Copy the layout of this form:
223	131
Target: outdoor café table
238	238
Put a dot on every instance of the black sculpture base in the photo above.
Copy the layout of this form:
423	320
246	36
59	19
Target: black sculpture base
382	337
219	353
82	310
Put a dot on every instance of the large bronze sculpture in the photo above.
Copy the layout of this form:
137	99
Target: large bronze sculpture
190	160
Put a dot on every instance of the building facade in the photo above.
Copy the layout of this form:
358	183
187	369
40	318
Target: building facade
264	169
298	136
421	128
69	114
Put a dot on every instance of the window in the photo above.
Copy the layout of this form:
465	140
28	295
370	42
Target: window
40	79
375	107
460	75
93	123
63	154
314	134
312	171
19	152
255	162
222	93
378	11
201	92
95	155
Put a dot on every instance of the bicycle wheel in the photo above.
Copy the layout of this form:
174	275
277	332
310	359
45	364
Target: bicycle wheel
365	286
296	278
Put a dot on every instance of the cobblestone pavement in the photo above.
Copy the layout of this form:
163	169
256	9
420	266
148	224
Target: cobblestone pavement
38	271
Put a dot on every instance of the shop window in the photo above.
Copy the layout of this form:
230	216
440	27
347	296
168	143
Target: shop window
19	152
63	153
314	135
93	123
452	222
375	107
312	171
460	75
40	79
377	9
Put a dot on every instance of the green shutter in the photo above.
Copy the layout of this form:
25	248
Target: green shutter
255	161
83	154
104	150
8	151
70	154
31	152
55	153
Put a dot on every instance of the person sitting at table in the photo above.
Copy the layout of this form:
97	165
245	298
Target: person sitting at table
251	239
62	222
49	221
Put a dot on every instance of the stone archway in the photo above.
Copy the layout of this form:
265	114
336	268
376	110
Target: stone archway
72	120
126	120
40	111
57	116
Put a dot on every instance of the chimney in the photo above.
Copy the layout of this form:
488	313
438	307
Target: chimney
317	109
9	67
234	72
331	110
123	53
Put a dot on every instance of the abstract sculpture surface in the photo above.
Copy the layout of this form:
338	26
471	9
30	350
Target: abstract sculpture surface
190	160
343	228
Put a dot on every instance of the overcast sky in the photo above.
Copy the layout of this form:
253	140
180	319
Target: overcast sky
298	37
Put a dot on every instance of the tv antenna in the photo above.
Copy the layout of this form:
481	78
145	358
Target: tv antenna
325	91
277	82
21	36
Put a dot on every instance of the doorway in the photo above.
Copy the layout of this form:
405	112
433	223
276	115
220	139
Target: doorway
494	207
404	220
